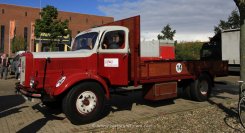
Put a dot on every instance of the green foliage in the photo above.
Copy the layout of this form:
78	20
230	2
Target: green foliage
233	22
240	2
18	44
167	32
50	24
188	50
241	6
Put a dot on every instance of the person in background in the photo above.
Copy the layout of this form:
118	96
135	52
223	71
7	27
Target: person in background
4	66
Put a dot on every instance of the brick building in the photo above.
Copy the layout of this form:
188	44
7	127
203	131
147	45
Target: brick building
24	19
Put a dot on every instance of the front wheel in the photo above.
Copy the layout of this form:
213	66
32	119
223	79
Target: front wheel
241	111
84	103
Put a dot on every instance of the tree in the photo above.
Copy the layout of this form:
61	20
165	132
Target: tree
167	32
18	44
188	50
50	25
234	19
233	22
241	6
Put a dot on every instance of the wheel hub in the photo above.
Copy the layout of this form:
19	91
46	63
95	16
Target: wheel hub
86	102
204	88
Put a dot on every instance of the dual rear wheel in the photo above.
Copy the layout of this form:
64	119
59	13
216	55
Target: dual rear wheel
199	90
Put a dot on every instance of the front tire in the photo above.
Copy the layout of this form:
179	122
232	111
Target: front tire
84	103
201	88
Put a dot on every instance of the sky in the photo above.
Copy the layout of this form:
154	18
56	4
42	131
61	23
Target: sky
193	20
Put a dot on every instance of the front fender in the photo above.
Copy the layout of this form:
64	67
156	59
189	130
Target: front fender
79	77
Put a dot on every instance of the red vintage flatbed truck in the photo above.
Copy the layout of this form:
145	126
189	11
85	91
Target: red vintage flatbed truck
82	78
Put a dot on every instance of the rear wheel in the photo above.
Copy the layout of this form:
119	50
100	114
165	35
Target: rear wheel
84	103
201	87
241	109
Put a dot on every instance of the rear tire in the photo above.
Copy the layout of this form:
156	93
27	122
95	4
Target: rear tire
187	90
84	103
201	87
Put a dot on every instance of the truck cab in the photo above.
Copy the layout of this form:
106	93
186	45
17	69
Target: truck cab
110	44
99	57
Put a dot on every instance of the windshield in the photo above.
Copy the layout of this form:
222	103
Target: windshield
85	41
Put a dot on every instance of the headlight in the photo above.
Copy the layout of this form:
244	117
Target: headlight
60	81
32	83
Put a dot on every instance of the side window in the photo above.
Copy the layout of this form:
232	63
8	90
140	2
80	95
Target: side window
114	40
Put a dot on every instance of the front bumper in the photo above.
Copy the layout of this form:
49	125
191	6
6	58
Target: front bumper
26	91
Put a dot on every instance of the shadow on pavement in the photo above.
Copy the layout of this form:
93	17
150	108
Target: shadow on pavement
220	82
10	101
11	111
226	88
220	97
126	102
48	115
8	105
231	113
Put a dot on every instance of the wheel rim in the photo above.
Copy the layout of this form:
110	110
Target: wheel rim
86	102
203	87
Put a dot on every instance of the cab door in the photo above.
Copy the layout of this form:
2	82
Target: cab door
113	56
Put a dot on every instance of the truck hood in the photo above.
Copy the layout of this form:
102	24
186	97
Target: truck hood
69	54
